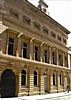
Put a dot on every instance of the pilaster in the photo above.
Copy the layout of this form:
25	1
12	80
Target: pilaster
41	88
31	49
50	55
57	80
18	46
0	45
18	83
41	54
69	61
31	81
57	58
63	59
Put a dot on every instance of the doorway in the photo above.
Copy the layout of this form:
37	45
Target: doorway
8	84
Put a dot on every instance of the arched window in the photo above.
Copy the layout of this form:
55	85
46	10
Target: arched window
54	79
23	78
35	78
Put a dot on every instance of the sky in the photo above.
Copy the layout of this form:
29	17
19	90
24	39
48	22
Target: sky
59	10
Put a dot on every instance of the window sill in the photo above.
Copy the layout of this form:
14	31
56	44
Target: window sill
23	87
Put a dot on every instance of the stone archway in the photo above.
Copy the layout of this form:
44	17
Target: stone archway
8	84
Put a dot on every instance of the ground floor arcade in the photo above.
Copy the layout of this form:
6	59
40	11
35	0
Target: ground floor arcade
30	78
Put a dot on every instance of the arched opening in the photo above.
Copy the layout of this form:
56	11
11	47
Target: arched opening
8	84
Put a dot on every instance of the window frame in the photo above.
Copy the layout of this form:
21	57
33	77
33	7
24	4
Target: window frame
46	56
35	85
25	78
54	79
10	43
23	47
36	51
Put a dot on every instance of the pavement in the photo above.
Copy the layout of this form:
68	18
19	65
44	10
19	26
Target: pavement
51	96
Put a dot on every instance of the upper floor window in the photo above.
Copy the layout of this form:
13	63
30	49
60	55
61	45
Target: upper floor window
35	78
11	46
53	34
64	40
36	25
60	60
45	30
36	53
66	60
54	58
25	50
23	78
46	56
59	38
14	13
26	20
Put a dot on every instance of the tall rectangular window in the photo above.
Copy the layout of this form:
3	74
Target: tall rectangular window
54	79
60	79
25	55
46	56
53	58
36	53
60	60
11	46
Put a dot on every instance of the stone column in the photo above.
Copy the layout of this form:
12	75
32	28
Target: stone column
69	61
31	80
49	81
31	49
41	53
57	80
63	59
50	55
18	50
63	77
18	83
65	81
57	57
0	83
0	45
70	80
41	85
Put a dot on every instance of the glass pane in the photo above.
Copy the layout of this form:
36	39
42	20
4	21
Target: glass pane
24	52
10	49
11	40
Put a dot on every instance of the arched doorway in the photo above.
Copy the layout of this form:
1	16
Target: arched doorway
8	84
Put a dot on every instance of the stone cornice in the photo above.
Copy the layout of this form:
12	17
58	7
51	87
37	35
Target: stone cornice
28	61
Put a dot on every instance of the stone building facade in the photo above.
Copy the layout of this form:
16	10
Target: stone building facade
34	58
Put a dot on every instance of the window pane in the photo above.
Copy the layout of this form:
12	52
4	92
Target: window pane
10	46
35	78
23	80
10	49
24	52
11	40
45	56
54	79
23	77
36	53
24	44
